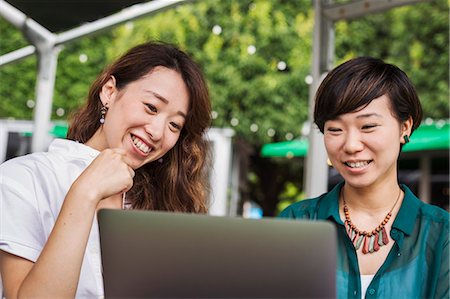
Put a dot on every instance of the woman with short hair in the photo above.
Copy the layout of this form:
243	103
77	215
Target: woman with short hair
390	244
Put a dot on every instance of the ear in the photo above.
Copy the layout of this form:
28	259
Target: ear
108	91
405	130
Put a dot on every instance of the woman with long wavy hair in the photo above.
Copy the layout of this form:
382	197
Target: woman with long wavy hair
138	143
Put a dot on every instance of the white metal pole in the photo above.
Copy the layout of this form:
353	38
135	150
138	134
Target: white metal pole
222	153
48	59
316	170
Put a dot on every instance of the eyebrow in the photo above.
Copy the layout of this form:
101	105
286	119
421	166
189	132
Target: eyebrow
369	115
164	100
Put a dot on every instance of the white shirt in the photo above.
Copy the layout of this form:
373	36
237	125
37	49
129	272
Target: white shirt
32	190
365	282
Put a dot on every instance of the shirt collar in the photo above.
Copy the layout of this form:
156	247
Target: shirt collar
73	149
407	214
405	220
329	204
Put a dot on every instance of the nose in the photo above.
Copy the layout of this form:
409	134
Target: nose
353	142
155	129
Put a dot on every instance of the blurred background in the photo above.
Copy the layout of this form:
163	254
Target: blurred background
257	59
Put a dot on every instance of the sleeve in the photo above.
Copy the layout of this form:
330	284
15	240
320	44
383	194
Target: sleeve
287	213
21	231
442	290
304	209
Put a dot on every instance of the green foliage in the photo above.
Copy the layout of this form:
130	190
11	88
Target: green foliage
16	80
73	77
289	195
248	89
413	37
79	64
245	86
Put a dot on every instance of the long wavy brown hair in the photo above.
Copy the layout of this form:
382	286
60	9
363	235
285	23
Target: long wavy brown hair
180	182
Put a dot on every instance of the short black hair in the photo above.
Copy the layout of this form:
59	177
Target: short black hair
352	85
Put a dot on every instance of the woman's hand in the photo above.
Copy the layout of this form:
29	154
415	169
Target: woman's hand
109	174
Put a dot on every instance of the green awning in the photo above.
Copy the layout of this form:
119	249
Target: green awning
289	149
58	131
427	137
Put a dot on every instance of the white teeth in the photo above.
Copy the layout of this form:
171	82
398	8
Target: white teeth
140	145
358	164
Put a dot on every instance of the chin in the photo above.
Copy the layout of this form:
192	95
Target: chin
358	183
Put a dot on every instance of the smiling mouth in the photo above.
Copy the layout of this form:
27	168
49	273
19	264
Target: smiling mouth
142	146
358	164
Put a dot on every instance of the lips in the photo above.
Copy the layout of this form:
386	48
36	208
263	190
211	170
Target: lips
141	144
358	164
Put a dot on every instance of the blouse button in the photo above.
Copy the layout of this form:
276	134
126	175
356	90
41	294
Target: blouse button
371	291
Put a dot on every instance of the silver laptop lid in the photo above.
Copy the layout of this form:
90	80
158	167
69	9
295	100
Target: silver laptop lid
170	255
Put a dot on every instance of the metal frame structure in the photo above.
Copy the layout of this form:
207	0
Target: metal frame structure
326	13
48	45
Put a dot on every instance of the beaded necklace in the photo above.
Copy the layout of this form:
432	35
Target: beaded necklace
372	240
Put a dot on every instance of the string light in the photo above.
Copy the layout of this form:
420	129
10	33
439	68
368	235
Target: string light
271	132
60	112
30	103
254	128
234	122
281	65
309	79
83	58
440	123
251	49
217	29
289	136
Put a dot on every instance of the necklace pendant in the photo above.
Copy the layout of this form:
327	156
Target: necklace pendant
359	242
385	236
371	244
376	246
365	249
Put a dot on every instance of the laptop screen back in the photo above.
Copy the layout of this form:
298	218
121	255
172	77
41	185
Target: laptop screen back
170	255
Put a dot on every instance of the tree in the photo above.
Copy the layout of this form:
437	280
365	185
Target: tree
16	79
415	38
256	56
78	64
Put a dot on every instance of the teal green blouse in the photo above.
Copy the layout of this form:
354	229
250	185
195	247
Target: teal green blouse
417	265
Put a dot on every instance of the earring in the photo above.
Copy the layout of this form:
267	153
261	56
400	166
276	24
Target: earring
103	111
329	162
160	160
406	137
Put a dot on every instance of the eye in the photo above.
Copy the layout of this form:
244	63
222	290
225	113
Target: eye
334	130
175	126
369	126
151	108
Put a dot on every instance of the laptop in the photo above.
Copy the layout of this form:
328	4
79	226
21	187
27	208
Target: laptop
147	254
